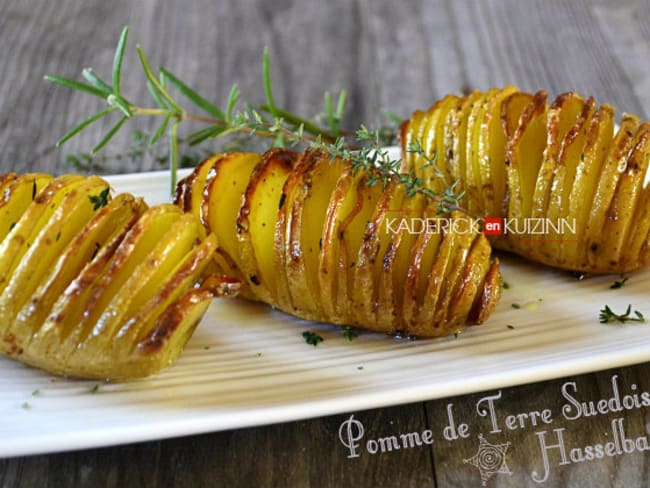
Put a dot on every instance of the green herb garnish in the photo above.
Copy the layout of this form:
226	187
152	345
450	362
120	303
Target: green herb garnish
510	326
100	200
350	333
26	406
619	284
516	306
607	316
311	338
364	148
94	389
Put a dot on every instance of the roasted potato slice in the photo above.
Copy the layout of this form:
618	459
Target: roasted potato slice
560	118
228	176
193	191
400	236
16	194
417	127
524	156
305	228
332	263
474	174
459	124
620	224
78	266
491	154
563	177
367	269
257	219
339	261
355	231
599	138
615	164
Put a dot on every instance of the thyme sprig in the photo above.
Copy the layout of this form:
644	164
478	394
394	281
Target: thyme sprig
365	148
607	316
369	155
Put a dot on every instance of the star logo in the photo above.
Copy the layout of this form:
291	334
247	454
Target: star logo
489	459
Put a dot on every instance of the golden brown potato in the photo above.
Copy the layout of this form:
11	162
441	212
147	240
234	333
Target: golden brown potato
568	190
312	238
97	287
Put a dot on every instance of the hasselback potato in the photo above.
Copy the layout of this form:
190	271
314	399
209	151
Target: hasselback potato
567	187
97	287
309	236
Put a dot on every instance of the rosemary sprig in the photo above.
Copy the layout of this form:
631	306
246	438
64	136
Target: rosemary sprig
607	316
363	148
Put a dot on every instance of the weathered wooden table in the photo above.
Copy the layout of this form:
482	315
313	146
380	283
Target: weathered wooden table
398	55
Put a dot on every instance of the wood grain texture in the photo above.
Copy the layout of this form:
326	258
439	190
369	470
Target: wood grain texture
387	54
399	56
304	454
580	428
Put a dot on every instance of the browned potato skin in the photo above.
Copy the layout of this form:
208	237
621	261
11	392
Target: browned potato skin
40	326
562	160
359	270
276	163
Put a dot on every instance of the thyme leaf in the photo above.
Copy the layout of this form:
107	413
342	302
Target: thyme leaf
100	200
608	316
312	338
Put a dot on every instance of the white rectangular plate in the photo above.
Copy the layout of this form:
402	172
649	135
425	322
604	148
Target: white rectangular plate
248	365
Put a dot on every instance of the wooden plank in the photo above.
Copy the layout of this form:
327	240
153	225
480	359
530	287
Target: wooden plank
524	440
387	56
305	454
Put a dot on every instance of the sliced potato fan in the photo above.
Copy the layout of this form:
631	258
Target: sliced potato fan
568	189
312	238
97	287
